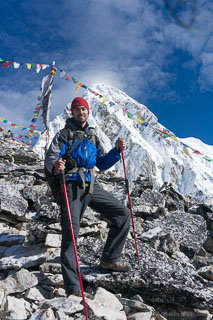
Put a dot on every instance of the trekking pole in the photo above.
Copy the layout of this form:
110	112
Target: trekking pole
130	206
73	240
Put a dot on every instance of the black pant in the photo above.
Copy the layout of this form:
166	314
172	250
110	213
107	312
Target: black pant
111	208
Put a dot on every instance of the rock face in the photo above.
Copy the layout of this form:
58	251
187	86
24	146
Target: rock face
175	242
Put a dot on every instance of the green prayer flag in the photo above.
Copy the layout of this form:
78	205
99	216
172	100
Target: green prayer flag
166	135
207	158
130	115
1	61
74	80
33	64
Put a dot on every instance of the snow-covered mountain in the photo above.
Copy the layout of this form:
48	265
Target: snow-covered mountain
148	152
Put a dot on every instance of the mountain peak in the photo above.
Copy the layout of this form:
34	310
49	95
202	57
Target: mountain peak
151	150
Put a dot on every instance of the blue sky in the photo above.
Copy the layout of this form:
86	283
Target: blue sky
134	45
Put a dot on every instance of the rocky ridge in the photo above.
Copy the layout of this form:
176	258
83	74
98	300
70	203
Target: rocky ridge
175	240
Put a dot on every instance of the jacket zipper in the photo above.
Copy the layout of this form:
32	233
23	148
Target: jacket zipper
85	147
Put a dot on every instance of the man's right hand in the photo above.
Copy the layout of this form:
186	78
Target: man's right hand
60	165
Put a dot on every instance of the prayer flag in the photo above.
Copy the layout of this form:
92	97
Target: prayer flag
44	66
16	65
76	91
74	80
67	77
166	135
185	145
197	152
29	66
162	131
111	103
130	115
62	74
46	84
125	111
38	68
140	120
104	100
208	159
174	138
6	64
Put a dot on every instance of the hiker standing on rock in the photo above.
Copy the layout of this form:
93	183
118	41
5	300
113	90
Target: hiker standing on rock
74	151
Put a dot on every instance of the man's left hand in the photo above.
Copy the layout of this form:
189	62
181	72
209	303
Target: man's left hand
120	144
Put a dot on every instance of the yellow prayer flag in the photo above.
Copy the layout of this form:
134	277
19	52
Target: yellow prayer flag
29	66
78	86
100	127
174	138
1	119
104	100
35	116
140	120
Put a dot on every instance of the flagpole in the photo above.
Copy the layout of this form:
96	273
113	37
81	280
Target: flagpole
47	95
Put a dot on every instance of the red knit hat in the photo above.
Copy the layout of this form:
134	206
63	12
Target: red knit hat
79	102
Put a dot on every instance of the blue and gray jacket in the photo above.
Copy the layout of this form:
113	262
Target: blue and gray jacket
80	159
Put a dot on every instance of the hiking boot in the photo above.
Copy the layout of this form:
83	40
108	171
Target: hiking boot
117	266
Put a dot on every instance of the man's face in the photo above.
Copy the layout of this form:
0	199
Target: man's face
80	115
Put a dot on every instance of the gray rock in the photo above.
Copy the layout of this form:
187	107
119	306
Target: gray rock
69	306
10	239
53	240
188	230
47	314
208	245
18	256
148	315
206	272
136	305
14	309
106	305
18	282
34	294
11	200
33	193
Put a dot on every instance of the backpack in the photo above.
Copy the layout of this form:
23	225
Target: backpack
71	166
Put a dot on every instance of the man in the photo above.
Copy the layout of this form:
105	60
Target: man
77	159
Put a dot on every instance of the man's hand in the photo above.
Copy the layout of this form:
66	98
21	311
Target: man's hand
60	165
120	144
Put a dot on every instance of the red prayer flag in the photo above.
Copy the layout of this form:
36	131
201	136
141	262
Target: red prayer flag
6	64
162	131
197	152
